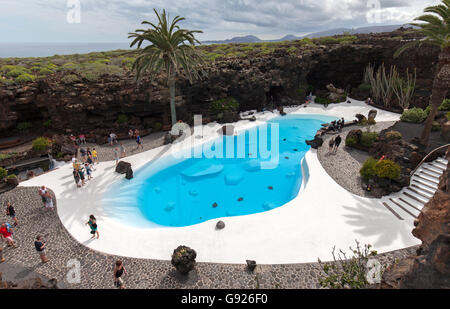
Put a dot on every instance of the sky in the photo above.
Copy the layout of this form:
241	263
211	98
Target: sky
112	20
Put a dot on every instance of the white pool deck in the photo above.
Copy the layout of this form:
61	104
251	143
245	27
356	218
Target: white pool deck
323	215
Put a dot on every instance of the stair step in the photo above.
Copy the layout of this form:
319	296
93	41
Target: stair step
392	210
408	203
414	198
403	208
433	181
423	189
437	166
432	171
429	175
442	161
422	194
422	183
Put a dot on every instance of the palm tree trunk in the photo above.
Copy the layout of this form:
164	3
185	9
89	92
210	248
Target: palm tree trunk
173	112
441	85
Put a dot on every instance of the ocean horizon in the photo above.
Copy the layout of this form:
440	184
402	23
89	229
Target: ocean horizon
23	50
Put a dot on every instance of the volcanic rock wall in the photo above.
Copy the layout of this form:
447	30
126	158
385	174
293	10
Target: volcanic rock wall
254	81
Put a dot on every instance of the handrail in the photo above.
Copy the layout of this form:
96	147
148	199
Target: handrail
426	157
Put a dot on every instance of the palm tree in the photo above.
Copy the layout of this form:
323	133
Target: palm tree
171	48
436	29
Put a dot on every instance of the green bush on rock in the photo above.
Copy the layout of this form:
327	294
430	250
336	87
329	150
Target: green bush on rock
414	115
350	141
393	135
3	173
41	144
224	105
368	138
122	119
368	169
445	106
387	169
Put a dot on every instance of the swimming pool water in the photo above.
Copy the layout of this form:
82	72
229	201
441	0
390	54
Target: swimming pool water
181	192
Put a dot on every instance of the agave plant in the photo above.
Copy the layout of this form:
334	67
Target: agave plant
171	49
435	27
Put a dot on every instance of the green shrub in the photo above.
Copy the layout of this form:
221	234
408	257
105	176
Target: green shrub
41	144
445	106
447	116
393	135
348	272
387	169
224	105
157	126
368	138
6	81
70	79
47	123
3	173
427	110
324	101
17	71
45	71
367	171
24	78
435	126
365	87
6	68
122	119
350	141
12	176
22	126
414	115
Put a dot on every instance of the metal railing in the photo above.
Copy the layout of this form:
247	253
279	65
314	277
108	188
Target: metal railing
426	157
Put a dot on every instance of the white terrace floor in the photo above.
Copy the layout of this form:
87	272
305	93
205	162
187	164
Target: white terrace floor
322	216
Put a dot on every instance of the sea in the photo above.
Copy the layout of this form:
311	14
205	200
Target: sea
22	50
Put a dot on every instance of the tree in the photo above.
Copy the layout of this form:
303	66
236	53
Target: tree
436	31
171	48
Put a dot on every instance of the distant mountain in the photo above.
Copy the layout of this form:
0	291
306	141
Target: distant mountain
238	39
291	37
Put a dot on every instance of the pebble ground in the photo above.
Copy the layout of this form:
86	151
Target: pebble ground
344	165
96	267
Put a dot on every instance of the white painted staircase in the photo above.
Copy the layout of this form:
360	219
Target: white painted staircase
407	204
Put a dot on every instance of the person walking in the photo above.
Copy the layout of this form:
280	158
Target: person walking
40	246
116	155
331	145
93	225
139	142
118	271
81	173
10	211
42	193
6	234
337	142
88	169
76	176
123	152
48	200
94	155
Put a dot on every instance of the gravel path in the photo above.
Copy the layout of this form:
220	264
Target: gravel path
96	268
344	165
105	152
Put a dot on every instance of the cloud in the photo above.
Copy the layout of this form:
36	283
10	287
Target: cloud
111	20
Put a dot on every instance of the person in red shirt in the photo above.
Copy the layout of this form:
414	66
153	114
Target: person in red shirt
7	235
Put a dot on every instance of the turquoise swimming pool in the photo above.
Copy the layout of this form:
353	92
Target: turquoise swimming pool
176	192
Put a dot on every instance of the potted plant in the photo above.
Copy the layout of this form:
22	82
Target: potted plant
183	259
12	180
